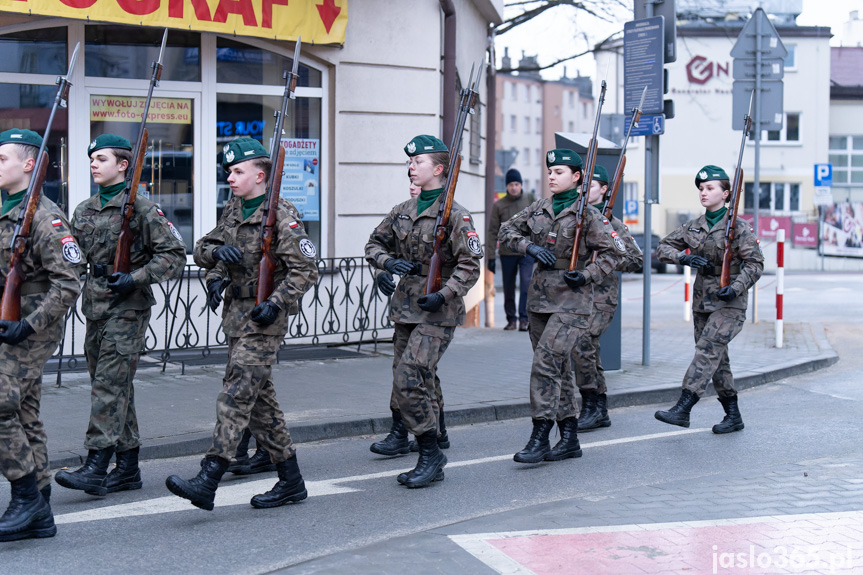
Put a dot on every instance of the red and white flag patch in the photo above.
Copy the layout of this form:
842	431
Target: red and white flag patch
158	209
472	234
293	224
466	218
56	222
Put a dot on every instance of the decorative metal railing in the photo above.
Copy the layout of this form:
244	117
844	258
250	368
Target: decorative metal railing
343	308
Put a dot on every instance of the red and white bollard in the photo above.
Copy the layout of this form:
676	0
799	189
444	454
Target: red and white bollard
780	282
687	292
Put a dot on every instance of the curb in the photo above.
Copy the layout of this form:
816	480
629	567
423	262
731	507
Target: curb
198	443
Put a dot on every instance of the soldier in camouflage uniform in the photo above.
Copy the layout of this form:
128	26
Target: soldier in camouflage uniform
560	302
50	288
591	381
117	307
718	312
424	324
232	254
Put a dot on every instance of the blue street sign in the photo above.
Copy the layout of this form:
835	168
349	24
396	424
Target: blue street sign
823	175
649	125
643	58
630	208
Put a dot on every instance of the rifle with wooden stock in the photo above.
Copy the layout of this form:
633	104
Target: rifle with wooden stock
10	303
587	178
271	205
736	188
466	107
123	256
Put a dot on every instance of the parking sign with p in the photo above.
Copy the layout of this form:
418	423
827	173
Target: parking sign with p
823	175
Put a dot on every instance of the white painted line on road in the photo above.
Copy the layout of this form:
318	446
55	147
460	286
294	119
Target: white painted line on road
477	544
240	494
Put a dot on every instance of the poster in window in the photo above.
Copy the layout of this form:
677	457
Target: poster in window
842	229
301	179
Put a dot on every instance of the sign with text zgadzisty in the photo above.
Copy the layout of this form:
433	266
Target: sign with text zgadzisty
129	109
317	21
301	176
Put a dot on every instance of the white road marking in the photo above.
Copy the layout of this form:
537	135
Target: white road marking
240	494
477	544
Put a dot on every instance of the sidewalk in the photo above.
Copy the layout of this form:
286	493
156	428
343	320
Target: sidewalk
484	376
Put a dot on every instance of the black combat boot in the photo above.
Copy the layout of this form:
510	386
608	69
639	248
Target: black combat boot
200	490
396	442
261	462
90	478
590	414
290	486
429	464
28	514
602	407
679	414
46	493
537	446
127	474
442	438
568	445
732	420
240	463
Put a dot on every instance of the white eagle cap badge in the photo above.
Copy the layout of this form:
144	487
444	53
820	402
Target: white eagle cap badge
702	175
412	147
229	155
551	157
92	144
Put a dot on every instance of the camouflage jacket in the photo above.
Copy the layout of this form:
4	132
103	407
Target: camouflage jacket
606	293
50	268
747	262
158	253
538	225
296	268
406	235
501	211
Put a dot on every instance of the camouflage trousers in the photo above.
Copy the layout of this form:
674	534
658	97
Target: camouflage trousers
248	400
713	332
416	387
552	386
586	353
112	347
23	442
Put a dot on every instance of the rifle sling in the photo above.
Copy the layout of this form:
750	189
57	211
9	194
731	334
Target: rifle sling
445	272
717	270
244	292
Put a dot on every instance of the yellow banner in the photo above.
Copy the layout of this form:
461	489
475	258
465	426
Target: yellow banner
317	21
129	109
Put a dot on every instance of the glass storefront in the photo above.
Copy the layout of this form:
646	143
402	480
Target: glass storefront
182	170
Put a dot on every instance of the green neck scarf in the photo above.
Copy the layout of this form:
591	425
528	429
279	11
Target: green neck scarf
563	200
249	206
714	217
12	200
106	194
427	198
598	206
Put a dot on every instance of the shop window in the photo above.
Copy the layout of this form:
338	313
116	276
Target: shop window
238	63
27	106
34	52
128	52
774	198
251	115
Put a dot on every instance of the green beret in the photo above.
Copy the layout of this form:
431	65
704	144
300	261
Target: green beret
600	174
708	173
108	141
563	157
424	145
18	136
242	149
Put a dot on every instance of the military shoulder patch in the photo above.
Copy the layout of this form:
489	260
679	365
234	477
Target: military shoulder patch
71	251
466	218
308	248
57	222
176	232
473	243
293	224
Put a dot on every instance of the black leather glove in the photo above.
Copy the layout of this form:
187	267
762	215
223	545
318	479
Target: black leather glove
492	264
265	313
574	279
431	302
400	267
121	283
543	255
214	292
230	254
14	332
692	261
386	284
727	293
